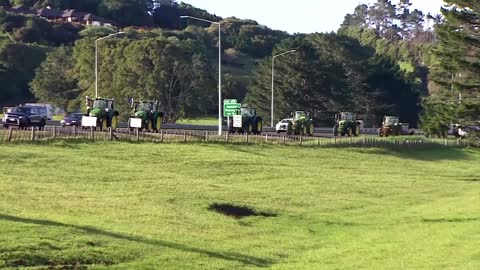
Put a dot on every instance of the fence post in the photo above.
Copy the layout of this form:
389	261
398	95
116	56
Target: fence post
284	139
92	134
33	134
318	141
54	132
10	132
137	135
266	138
110	133
74	131
335	140
226	136
206	136
246	135
301	140
184	136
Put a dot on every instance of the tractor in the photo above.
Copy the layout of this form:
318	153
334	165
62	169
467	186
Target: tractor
390	127
145	115
100	114
301	124
246	120
346	123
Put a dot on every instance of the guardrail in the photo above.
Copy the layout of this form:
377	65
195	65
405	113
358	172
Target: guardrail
175	136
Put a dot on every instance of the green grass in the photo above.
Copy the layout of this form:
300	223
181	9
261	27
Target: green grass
207	121
58	117
145	206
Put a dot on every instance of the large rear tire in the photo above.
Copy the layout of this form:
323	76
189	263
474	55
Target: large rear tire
158	123
149	125
311	130
350	132
259	127
114	123
304	130
104	125
357	131
249	128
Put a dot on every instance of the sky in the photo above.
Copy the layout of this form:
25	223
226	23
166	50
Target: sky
297	16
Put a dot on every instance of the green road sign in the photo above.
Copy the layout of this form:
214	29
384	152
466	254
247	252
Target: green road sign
230	107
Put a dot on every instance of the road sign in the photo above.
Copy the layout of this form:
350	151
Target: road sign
230	101
230	107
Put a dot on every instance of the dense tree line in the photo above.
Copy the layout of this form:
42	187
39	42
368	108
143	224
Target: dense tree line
455	86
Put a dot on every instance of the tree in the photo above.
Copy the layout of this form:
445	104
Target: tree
53	82
455	86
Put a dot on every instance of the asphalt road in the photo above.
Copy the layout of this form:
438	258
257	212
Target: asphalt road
326	132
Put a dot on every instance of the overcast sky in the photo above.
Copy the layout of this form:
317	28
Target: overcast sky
297	16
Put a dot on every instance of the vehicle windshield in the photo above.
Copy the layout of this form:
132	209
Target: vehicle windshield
348	116
391	120
25	110
144	106
248	112
75	115
300	115
100	103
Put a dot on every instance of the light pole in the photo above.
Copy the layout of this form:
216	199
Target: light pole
219	68
96	59
273	77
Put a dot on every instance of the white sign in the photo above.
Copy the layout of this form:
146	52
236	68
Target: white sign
88	121
237	121
135	122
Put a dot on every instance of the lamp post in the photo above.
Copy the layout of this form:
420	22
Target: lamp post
273	77
219	68
96	59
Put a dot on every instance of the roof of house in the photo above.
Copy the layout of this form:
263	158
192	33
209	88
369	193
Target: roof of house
73	13
21	9
49	13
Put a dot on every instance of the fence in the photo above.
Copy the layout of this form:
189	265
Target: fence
181	136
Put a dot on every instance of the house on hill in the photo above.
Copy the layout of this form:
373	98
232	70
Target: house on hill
49	14
21	9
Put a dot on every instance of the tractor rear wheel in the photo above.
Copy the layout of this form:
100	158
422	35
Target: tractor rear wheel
311	130
149	125
114	123
350	132
104	125
357	131
158	123
259	127
289	129
304	130
249	128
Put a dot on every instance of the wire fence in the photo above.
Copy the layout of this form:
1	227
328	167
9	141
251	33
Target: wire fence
183	136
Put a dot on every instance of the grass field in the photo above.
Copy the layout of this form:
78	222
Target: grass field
145	206
207	121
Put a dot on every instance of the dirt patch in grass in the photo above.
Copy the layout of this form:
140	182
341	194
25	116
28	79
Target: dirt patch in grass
238	211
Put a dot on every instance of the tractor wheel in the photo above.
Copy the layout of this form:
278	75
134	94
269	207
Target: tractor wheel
304	130
259	127
380	132
357	131
114	122
350	132
311	130
249	128
104	125
289	129
149	125
158	123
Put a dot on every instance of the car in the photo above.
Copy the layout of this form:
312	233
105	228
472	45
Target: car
23	117
282	125
73	119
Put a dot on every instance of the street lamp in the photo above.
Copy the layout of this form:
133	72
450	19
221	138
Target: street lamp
219	68
273	77
96	59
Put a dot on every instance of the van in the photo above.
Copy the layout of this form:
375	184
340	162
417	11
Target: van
44	109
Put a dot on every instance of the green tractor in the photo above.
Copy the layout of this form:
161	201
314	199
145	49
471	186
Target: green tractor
301	124
100	114
346	123
246	120
145	115
390	127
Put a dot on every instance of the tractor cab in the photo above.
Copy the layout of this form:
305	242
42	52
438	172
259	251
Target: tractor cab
299	115
248	112
346	116
391	121
99	103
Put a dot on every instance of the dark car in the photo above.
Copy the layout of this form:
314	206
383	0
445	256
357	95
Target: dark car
73	119
23	117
